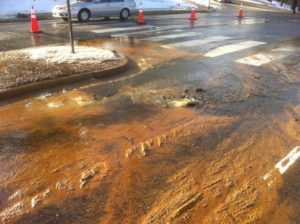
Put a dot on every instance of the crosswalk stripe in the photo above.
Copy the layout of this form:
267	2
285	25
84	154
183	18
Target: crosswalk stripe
157	30
255	60
116	29
231	48
192	43
264	58
140	32
170	36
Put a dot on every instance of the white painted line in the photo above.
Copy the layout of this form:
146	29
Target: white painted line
140	32
282	166
117	29
170	36
288	160
251	21
157	30
192	43
261	59
233	48
255	60
286	49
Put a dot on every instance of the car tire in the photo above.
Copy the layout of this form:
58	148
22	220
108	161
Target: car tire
84	15
124	14
65	19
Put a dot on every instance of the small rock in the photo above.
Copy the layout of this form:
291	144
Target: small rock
200	90
181	103
85	176
143	150
159	143
88	175
149	143
82	183
35	201
229	183
130	151
46	192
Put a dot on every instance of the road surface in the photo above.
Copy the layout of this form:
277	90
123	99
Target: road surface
203	128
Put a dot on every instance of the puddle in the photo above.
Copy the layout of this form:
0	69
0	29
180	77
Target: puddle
145	54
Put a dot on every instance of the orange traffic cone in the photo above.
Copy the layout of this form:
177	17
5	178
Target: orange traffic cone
193	14
241	12
34	22
141	20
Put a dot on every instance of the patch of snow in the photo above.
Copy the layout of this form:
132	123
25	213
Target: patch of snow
274	4
278	5
62	54
207	3
254	1
148	5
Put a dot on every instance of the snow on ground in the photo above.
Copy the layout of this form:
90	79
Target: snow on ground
254	1
275	4
176	4
12	7
62	54
207	3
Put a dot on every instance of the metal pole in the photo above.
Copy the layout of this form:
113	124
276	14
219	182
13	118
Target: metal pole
208	4
70	27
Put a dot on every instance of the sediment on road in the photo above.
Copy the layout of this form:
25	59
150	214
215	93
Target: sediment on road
28	70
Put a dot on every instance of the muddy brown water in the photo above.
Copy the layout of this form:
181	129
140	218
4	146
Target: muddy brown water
69	157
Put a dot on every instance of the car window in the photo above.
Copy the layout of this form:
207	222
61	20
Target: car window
101	1
82	0
117	0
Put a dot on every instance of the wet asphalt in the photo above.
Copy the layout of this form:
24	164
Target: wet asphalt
180	137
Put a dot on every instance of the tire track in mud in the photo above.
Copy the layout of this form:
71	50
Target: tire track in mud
231	189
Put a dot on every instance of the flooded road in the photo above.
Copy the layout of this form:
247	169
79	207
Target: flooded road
180	138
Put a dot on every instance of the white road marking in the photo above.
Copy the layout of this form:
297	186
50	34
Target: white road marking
170	36
233	48
282	166
250	21
157	30
261	59
288	160
117	29
192	43
140	32
255	60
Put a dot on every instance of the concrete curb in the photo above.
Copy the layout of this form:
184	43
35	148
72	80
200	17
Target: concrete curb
26	89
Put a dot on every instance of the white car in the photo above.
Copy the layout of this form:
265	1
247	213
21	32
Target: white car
83	10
